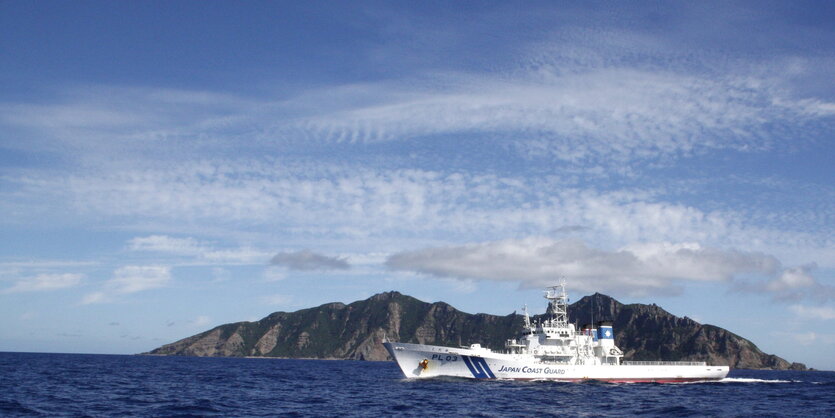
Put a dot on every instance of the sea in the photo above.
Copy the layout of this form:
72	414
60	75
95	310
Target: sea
87	385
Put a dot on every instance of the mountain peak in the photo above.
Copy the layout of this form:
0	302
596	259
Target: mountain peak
392	294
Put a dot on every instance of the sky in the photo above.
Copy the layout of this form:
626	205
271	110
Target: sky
170	166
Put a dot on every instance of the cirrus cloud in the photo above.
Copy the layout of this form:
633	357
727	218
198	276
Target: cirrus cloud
814	312
45	282
613	114
130	279
196	251
167	244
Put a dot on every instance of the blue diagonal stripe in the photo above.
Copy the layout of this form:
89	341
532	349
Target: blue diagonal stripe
478	367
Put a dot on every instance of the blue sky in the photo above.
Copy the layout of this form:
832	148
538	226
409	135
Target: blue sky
166	167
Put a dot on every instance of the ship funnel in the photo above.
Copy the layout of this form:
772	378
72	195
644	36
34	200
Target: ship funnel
605	333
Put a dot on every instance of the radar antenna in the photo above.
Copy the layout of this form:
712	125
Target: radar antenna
558	300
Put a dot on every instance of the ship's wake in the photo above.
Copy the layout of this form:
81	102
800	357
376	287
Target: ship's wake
752	380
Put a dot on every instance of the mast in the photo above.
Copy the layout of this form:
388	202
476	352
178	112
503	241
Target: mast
558	299
594	330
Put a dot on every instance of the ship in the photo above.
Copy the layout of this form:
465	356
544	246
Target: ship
550	349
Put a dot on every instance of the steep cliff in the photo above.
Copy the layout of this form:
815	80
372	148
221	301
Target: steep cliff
355	331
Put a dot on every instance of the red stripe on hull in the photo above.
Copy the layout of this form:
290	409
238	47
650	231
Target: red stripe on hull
671	380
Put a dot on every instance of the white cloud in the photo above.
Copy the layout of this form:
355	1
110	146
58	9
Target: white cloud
792	279
354	203
358	202
197	251
201	321
115	119
613	110
166	244
791	285
242	255
814	312
616	113
590	106
96	297
130	279
692	262
45	282
538	262
44	264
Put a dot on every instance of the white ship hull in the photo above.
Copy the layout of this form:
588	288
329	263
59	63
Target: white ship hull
426	361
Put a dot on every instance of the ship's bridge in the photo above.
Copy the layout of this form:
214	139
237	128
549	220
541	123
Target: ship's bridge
555	340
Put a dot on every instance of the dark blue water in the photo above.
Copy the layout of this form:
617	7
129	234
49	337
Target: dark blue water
100	385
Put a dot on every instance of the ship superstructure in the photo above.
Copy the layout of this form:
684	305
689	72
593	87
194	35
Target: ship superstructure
557	341
551	349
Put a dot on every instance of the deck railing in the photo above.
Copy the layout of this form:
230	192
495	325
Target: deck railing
664	363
